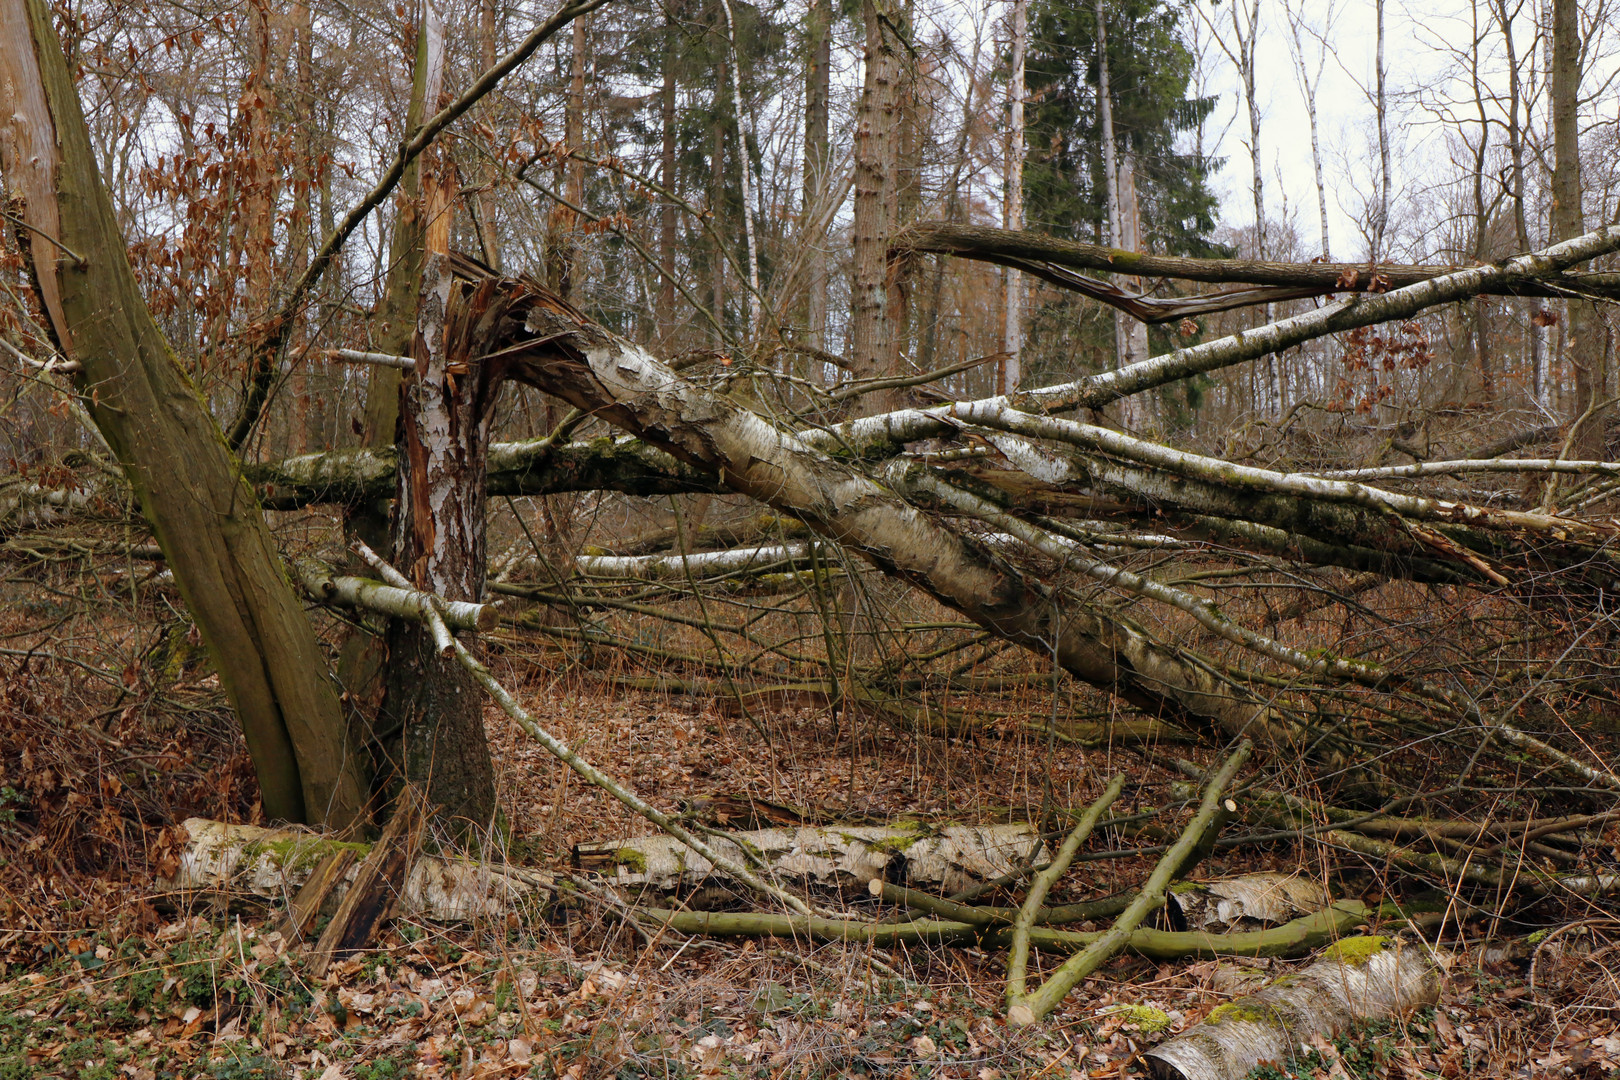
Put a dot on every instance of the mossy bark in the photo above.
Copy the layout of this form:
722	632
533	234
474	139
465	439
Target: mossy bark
189	485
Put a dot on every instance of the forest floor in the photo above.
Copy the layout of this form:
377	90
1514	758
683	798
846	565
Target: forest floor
106	979
113	730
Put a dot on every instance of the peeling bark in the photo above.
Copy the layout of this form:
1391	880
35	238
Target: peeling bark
432	716
274	863
952	858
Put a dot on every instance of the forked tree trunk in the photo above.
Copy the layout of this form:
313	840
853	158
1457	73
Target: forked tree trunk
189	485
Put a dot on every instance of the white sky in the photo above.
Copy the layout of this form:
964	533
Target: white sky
1425	46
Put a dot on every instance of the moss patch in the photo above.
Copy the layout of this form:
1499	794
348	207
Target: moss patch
1356	950
1249	1011
1145	1018
631	859
294	855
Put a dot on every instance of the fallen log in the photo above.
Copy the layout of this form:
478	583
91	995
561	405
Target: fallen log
274	863
851	857
1357	979
1243	903
744	560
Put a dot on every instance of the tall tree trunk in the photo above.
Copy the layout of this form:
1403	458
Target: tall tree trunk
717	204
1381	113
817	149
1515	139
263	174
1129	345
1309	83
664	312
1583	329
928	347
1012	333
206	518
745	170
396	315
872	327
361	661
300	241
1483	209
562	252
488	228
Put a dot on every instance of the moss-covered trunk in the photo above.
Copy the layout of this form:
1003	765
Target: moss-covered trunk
189	485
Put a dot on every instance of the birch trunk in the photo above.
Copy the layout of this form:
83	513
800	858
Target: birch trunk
951	859
593	370
1124	341
1583	330
1012	338
664	314
189	485
1358	979
432	717
817	157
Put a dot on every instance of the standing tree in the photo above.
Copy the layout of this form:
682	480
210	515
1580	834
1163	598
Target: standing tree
189	485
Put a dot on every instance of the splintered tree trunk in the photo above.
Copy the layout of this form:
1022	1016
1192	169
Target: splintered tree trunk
432	713
206	518
360	664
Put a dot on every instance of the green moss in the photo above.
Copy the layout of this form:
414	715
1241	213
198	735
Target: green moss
1185	886
631	859
1248	1011
1356	950
295	854
1145	1018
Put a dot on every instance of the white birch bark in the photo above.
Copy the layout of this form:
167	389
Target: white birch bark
1012	338
1356	980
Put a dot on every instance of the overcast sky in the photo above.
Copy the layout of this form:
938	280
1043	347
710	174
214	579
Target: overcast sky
1425	47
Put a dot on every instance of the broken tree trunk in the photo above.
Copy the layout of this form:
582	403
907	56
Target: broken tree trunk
1243	903
1357	979
189	485
551	345
378	884
432	717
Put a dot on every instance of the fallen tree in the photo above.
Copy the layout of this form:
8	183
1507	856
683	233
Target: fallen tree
1357	979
